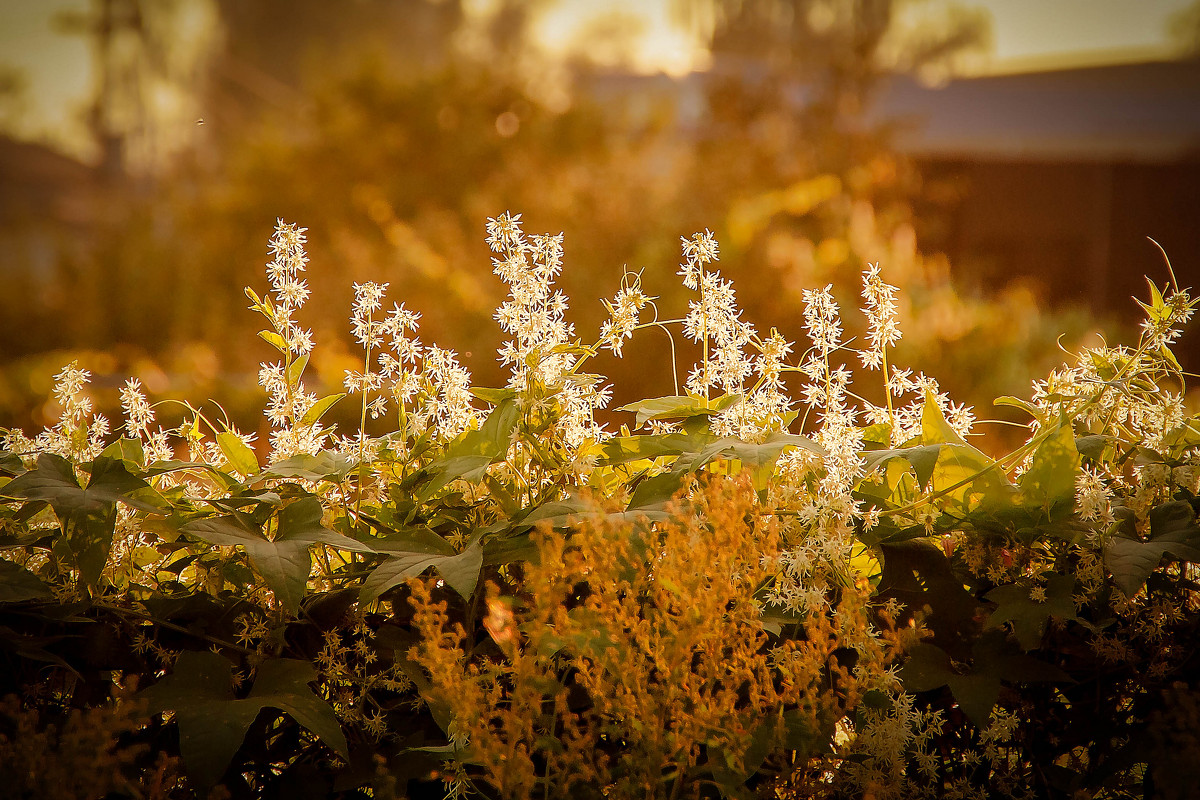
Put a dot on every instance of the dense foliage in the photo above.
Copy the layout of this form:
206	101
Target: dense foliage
499	597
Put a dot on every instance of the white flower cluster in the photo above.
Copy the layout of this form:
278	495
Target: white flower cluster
288	401
714	321
288	261
429	385
534	316
139	416
623	312
883	331
78	434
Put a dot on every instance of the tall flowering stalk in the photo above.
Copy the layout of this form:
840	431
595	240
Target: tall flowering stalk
293	412
540	353
882	332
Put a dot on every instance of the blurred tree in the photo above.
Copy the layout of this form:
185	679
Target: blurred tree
1184	30
14	89
392	129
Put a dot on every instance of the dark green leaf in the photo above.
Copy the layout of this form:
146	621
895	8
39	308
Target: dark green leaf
53	480
976	693
1173	531
91	539
212	724
282	683
1027	616
927	668
300	521
283	564
460	571
1093	445
18	584
655	491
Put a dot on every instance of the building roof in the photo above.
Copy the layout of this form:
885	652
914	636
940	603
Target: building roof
1147	112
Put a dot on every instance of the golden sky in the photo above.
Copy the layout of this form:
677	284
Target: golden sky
1027	34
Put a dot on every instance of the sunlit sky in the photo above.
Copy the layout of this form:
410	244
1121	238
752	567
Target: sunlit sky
1026	34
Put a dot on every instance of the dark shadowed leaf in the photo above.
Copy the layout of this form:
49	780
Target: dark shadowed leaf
460	571
18	584
1173	531
1028	616
212	724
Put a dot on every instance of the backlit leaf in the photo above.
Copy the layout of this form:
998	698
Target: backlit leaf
237	453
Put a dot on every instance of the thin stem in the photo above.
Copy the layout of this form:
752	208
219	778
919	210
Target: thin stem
887	393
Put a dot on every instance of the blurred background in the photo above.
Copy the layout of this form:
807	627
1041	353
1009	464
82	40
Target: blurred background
1003	160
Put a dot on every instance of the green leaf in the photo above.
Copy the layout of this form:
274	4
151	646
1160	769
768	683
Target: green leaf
324	465
471	455
237	453
1173	530
678	407
654	491
128	450
1024	405
493	396
212	724
1050	479
761	454
88	515
923	459
1027	616
460	571
492	438
274	339
284	563
622	449
1093	445
934	427
300	521
91	540
413	539
53	480
297	369
18	584
318	409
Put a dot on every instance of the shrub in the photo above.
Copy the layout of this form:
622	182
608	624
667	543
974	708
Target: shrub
499	596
